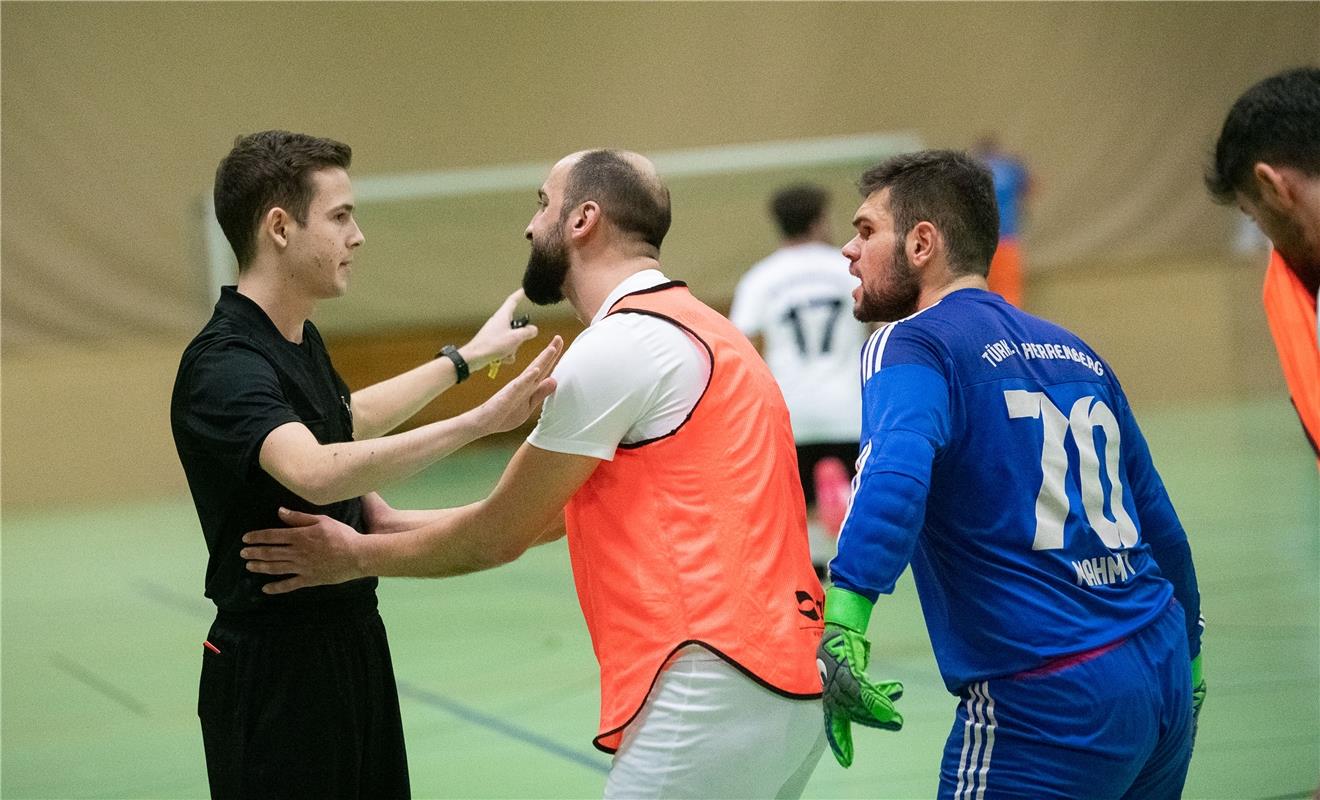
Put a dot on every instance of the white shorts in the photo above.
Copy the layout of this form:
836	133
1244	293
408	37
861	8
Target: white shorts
707	730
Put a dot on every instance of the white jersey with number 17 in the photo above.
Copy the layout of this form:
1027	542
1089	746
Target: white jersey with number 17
799	300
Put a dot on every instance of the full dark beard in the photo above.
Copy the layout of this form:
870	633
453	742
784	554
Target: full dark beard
896	299
547	267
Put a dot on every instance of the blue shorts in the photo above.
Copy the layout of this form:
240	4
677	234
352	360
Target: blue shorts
1112	723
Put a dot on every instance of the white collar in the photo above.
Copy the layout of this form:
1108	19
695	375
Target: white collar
635	282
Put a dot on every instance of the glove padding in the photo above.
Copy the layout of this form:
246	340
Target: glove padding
1198	694
849	696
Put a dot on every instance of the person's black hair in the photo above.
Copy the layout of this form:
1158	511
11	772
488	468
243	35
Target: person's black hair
1277	122
949	189
267	170
796	208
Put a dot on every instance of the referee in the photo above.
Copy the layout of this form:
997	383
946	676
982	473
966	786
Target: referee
297	695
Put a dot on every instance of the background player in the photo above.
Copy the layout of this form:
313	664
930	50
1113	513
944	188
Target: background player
1012	188
796	302
666	451
1267	162
1000	457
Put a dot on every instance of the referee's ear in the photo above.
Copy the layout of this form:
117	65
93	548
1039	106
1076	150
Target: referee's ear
276	225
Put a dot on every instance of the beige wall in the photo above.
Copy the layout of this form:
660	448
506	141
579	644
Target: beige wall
114	116
1178	331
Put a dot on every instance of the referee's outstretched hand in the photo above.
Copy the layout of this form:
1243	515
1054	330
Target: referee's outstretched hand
499	338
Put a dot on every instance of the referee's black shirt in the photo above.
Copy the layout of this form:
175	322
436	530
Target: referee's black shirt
239	379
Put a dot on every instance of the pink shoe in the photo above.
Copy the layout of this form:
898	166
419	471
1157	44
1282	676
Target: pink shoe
832	492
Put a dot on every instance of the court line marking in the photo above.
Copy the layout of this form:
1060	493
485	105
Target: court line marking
172	598
468	714
97	684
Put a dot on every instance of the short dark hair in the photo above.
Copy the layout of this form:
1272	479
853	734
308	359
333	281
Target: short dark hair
949	189
636	203
1277	121
796	208
265	170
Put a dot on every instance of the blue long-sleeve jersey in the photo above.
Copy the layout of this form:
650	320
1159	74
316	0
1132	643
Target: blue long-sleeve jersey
1000	458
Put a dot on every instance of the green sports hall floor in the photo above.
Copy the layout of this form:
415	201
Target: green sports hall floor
103	621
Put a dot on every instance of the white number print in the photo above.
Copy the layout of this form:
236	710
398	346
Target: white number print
1052	501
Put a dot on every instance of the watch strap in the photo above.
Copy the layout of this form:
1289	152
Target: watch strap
461	369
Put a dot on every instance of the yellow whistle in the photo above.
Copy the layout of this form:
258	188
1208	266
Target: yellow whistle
491	371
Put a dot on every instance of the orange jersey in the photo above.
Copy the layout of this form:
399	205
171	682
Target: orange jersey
1291	311
699	536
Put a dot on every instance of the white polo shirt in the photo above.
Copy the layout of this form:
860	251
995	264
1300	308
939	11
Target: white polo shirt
627	378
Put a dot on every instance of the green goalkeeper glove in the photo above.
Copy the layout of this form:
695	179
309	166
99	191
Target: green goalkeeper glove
1198	693
849	696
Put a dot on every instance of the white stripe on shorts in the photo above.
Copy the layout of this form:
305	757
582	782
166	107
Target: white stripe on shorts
978	743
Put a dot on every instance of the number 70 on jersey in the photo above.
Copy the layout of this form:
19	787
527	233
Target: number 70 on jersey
1052	504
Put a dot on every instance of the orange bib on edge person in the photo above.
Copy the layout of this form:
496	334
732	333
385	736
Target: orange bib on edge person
699	536
1291	311
1006	275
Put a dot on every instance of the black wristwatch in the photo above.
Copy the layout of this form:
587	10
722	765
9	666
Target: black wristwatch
460	364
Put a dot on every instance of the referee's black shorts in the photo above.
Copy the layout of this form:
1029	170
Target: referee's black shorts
809	454
303	709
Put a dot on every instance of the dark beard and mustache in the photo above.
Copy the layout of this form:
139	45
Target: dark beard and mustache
547	267
897	298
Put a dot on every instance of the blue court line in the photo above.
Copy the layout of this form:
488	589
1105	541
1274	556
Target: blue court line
159	593
97	684
472	715
172	598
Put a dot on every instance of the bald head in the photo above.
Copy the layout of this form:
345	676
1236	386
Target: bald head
626	187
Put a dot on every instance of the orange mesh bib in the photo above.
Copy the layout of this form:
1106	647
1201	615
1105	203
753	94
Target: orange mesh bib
699	536
1006	278
1291	312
